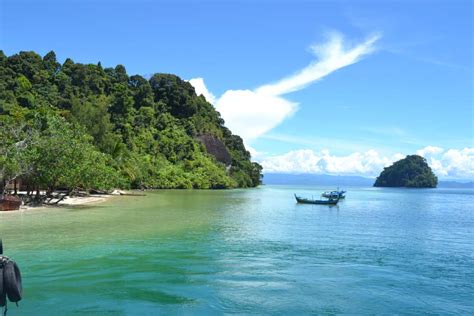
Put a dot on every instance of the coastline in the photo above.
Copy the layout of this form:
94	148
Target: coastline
83	200
67	202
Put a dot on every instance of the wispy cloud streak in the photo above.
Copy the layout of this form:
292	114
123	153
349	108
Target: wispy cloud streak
330	56
252	113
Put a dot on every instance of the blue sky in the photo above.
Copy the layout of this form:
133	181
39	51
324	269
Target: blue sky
412	88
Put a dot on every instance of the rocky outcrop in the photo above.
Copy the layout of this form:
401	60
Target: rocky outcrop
216	148
411	172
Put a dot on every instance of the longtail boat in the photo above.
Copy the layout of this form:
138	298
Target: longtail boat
9	203
330	201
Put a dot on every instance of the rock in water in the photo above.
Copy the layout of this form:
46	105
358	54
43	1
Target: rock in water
411	172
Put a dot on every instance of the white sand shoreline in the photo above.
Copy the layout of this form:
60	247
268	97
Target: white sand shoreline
76	201
81	200
68	201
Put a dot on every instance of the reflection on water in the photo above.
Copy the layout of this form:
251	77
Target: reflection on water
380	251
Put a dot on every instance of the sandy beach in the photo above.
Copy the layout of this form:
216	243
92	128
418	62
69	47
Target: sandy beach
96	198
69	201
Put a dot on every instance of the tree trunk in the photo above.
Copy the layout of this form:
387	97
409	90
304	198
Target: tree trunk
3	186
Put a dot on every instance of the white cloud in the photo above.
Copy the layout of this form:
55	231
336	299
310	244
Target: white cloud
458	163
453	163
252	113
450	164
368	163
200	87
429	150
254	153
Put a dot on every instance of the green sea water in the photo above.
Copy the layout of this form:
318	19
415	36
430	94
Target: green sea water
379	252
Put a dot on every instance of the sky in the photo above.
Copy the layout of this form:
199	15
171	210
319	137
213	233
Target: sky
329	87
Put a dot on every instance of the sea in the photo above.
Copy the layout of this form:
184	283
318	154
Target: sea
381	251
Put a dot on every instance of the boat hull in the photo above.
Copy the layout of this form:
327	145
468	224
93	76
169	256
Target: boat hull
317	202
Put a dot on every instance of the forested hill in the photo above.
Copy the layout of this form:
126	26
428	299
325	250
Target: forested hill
82	125
412	171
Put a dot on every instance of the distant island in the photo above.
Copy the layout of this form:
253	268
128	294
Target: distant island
74	126
411	172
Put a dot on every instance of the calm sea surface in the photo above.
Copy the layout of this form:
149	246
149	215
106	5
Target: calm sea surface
381	251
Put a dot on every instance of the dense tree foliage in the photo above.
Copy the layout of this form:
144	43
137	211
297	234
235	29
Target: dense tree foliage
82	125
412	171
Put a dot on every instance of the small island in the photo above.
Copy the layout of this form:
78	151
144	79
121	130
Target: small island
410	172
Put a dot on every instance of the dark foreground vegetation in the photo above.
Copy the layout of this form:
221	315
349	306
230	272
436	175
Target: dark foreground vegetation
411	172
81	126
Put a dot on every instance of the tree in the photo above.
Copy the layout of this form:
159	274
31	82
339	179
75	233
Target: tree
16	140
94	116
179	96
65	157
50	63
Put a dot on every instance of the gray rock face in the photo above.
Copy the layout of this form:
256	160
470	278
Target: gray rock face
216	148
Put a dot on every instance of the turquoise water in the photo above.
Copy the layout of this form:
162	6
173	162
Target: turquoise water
381	251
